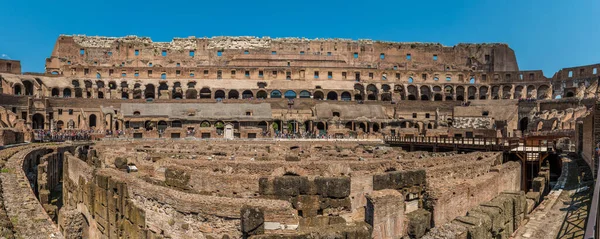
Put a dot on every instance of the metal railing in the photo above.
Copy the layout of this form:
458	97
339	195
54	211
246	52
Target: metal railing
591	228
464	141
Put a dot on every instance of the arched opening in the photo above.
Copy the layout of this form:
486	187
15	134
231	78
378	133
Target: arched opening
346	96
17	90
263	125
372	92
137	93
400	89
372	97
247	94
124	95
518	92
191	94
100	95
261	94
149	92
205	93
78	92
304	94
495	92
542	92
37	121
523	124
569	94
177	95
363	127
148	125
483	91
60	125
375	127
290	94
506	92
205	124
348	125
67	93
332	95
530	89
176	92
405	124
276	94
55	92
386	96
219	94
93	120
220	126
412	92
318	95
438	97
385	88
425	93
233	94
358	97
460	93
162	125
162	87
321	128
359	88
471	92
28	87
176	124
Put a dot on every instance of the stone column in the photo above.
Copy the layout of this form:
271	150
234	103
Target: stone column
183	92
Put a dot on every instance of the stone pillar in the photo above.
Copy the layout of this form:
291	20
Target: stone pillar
143	90
385	213
183	92
253	221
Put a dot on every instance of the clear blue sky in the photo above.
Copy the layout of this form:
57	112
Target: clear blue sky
545	34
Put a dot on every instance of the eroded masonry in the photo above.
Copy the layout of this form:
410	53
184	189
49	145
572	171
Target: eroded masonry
245	137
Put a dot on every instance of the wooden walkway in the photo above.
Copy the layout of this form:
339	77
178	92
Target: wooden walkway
472	144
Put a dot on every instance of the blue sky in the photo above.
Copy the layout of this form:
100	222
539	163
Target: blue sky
546	35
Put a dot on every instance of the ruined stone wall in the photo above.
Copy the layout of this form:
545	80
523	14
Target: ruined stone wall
10	66
495	218
29	218
251	51
586	138
456	198
10	136
145	210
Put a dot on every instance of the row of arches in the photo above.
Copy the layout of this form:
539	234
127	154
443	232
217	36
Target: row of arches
371	92
38	121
